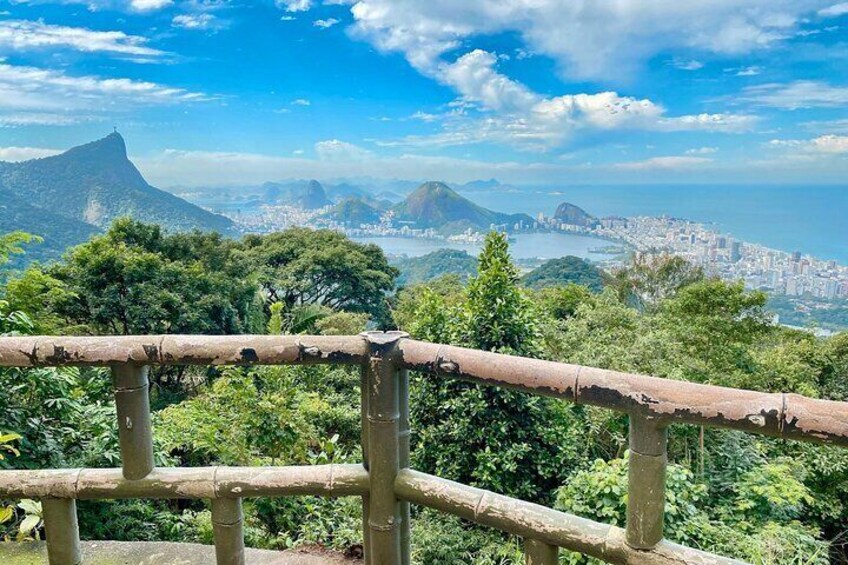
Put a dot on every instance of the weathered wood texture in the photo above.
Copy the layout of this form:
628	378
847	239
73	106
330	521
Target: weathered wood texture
228	527
187	482
384	451
665	401
540	553
135	431
60	525
384	481
541	524
35	351
646	483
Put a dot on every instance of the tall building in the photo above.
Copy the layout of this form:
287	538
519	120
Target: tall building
736	251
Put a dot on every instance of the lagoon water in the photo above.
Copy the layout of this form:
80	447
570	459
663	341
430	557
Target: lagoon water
524	246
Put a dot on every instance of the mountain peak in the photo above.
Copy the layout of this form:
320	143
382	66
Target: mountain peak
110	147
435	204
434	188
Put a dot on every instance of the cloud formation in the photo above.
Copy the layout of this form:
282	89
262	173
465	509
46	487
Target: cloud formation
830	144
25	153
597	39
510	112
21	35
30	95
795	95
674	162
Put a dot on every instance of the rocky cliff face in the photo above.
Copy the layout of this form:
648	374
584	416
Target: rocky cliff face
568	213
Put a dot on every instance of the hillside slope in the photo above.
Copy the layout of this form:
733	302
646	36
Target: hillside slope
96	183
68	197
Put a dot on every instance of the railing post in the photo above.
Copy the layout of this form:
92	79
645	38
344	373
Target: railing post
228	527
646	483
384	450
403	446
62	530
366	499
540	553
135	432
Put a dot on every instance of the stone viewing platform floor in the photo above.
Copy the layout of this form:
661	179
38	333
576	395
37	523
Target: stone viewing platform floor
165	553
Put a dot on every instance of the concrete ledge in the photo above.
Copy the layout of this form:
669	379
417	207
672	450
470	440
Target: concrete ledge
164	553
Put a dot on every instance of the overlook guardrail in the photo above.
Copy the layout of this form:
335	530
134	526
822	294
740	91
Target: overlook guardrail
384	481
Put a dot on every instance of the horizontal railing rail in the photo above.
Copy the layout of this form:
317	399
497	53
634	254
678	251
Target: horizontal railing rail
384	480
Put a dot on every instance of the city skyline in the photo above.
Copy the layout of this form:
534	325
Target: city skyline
219	92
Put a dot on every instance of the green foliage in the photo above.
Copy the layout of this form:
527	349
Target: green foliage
758	499
137	280
767	498
486	436
11	244
301	266
650	279
564	271
810	311
238	421
439	539
561	302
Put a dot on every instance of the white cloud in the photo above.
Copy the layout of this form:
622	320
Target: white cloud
336	150
687	64
702	151
324	24
295	5
23	34
31	95
748	71
149	5
510	112
664	163
834	11
195	21
601	39
25	153
94	5
424	116
794	95
41	119
831	126
301	102
823	145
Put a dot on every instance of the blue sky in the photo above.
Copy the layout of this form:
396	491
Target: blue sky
529	91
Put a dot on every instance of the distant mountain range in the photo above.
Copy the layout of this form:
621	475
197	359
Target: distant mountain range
68	197
436	205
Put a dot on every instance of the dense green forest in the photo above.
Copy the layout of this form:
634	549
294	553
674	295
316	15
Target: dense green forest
759	499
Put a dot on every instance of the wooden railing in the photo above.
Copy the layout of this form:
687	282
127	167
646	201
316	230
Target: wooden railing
384	481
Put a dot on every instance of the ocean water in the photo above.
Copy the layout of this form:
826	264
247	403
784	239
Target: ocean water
522	246
810	219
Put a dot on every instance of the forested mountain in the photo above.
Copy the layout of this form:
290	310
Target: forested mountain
415	270
68	197
436	205
565	270
354	212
